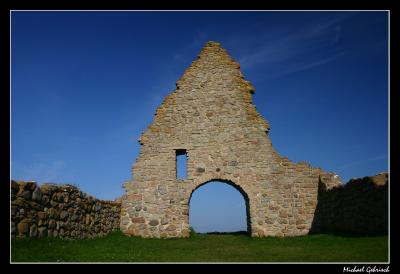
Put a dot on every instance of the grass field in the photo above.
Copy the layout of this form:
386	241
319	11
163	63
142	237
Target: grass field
116	247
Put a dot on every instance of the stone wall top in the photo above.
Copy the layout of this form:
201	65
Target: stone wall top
53	210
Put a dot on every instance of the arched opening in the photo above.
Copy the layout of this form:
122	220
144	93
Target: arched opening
219	206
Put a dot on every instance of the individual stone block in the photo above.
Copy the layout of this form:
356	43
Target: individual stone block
33	232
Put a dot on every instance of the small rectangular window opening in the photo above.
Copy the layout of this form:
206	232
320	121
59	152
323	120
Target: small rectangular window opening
181	164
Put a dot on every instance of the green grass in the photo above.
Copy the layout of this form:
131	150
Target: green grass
116	247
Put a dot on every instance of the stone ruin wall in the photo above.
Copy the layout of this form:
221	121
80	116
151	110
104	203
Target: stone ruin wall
359	207
60	211
212	117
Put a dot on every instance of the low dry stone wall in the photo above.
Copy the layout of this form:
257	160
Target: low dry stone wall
358	207
60	211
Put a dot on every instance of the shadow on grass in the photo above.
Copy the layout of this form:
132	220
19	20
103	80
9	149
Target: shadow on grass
349	234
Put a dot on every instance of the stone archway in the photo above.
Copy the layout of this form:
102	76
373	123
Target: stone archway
237	188
211	119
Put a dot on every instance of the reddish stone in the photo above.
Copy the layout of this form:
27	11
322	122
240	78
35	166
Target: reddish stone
138	220
41	215
135	197
23	227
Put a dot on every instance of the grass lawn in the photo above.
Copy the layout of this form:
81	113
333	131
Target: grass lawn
116	247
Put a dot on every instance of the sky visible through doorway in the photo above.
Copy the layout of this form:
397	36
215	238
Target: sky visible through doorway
85	85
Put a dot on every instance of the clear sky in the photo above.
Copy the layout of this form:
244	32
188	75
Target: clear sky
86	84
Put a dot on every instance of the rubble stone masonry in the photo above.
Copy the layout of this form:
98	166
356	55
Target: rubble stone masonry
358	207
210	117
61	211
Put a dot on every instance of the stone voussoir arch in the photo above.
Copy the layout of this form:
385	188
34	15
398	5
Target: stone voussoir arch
210	117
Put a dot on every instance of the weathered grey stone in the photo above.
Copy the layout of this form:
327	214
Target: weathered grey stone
33	231
233	163
45	199
53	203
162	189
26	194
52	224
125	220
48	189
87	219
164	221
64	215
37	195
42	231
171	228
97	207
153	222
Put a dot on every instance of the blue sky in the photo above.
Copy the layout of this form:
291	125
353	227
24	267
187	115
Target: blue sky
86	84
